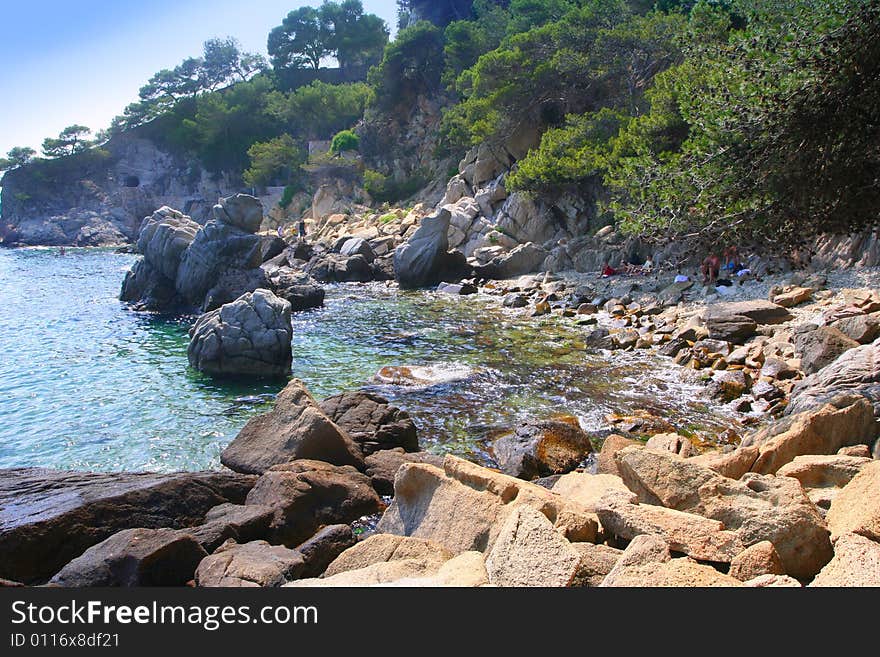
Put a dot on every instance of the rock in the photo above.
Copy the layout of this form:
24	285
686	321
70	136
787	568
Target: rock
671	442
296	428
468	569
146	289
673	347
339	268
324	547
605	463
846	421
164	236
217	250
856	371
816	471
252	564
863	451
463	505
691	534
358	246
530	552
387	548
776	368
757	508
766	391
309	494
671	295
596	562
297	288
523	259
542	448
588	489
382	466
646	562
856	508
514	300
249	337
856	562
729	385
232	285
424	259
821	347
793	297
773	581
733	464
457	289
731	328
236	521
135	557
241	211
756	560
864	329
49	517
760	312
371	422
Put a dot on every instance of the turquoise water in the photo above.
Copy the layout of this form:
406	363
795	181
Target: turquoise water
87	384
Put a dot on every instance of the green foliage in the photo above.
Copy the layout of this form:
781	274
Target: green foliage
278	159
73	139
340	29
17	157
411	66
319	110
384	189
346	140
289	192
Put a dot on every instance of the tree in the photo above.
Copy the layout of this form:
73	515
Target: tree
276	160
438	12
223	62
355	38
411	66
344	141
71	140
17	157
300	41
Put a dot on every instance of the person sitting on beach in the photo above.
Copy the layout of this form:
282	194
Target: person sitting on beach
710	269
731	260
608	270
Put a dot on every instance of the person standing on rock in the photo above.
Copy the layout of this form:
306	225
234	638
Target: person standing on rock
301	227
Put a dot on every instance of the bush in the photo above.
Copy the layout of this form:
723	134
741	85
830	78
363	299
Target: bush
345	141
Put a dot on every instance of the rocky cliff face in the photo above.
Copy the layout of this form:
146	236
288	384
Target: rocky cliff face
100	197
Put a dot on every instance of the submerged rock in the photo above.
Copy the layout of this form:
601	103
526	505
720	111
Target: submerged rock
249	337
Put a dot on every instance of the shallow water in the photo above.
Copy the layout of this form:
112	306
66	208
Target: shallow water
85	383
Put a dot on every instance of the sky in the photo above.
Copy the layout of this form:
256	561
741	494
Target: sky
82	61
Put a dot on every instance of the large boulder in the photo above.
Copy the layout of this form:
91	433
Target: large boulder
382	466
862	328
358	246
307	495
463	505
856	508
241	211
232	285
820	347
523	259
856	562
239	522
757	507
340	268
372	422
856	371
299	289
530	552
386	548
135	557
760	312
254	564
296	428
324	547
424	259
248	337
48	517
542	448
847	420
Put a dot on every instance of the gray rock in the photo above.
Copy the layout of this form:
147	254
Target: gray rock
249	565
241	211
542	448
296	428
372	422
249	337
135	557
382	466
358	246
425	258
236	521
821	347
523	259
861	328
321	549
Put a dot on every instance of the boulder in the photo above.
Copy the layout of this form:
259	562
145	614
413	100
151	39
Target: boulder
164	237
760	312
646	562
233	284
241	211
466	570
820	347
605	462
296	428
382	466
688	533
324	547
588	489
339	268
424	259
249	337
523	259
793	297
372	422
756	560
817	471
236	521
135	557
855	371
757	507
49	517
542	448
848	420
864	329
731	328
772	581
254	564
386	548
307	495
856	562
671	442
358	246
596	562
297	288
856	508
463	505
530	552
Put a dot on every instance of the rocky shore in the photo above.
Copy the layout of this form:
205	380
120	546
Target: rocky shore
338	492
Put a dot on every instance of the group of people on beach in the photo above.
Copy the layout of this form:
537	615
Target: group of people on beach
300	229
712	268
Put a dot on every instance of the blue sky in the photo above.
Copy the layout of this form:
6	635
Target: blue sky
83	61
